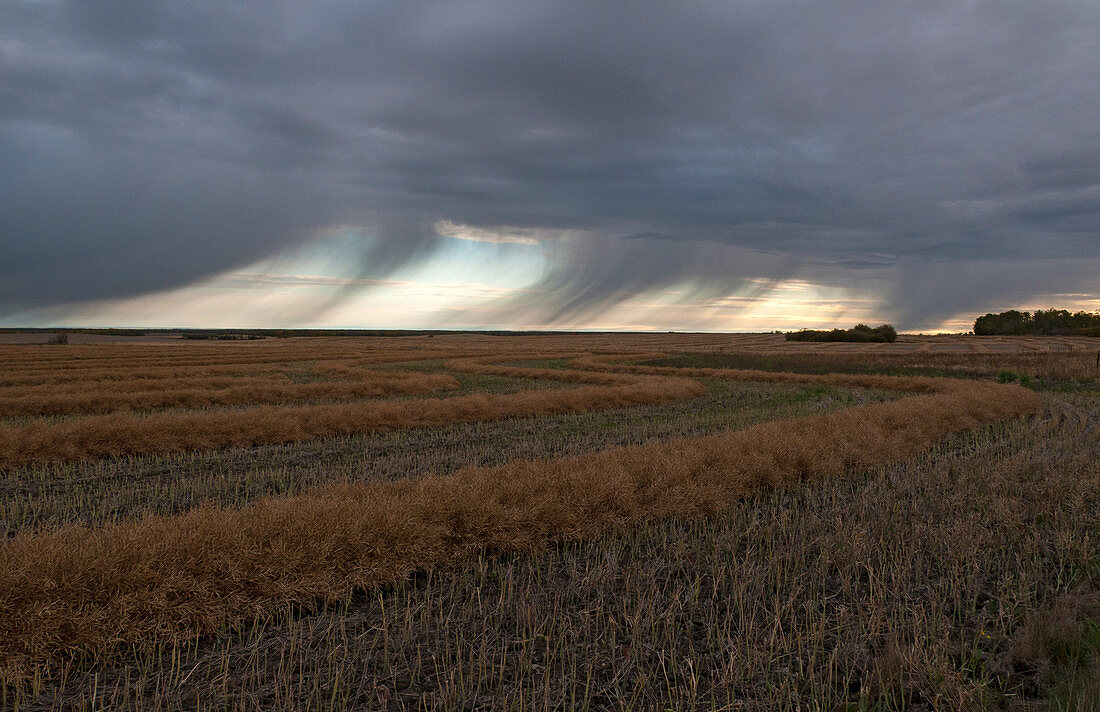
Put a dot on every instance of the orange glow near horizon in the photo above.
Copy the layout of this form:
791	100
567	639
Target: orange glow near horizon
485	279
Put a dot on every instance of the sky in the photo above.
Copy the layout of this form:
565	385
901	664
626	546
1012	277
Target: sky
751	165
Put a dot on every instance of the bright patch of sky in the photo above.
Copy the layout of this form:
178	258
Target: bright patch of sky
320	284
462	285
472	280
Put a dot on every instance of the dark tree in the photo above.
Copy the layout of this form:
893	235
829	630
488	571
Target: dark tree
1052	322
860	333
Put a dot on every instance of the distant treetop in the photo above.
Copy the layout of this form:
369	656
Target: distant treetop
1052	322
858	333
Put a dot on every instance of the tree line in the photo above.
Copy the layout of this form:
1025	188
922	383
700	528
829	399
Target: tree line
860	333
1051	322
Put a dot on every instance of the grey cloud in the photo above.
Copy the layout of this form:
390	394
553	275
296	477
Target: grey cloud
594	275
147	144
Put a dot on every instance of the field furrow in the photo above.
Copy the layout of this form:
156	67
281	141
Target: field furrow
158	498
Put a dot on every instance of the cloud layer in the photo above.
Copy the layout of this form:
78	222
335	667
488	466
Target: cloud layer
945	155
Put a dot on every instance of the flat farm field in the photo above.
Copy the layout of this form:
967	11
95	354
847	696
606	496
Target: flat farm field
550	522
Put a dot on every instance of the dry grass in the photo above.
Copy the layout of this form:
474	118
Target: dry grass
127	434
124	433
952	580
793	606
201	393
87	591
108	491
126	367
913	384
1072	365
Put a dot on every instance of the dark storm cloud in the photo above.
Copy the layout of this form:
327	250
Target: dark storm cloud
928	150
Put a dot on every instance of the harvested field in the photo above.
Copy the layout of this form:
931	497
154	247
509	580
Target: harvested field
136	535
1058	367
121	434
108	491
200	393
124	434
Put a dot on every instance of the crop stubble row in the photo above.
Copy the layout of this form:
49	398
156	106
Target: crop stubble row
85	591
120	434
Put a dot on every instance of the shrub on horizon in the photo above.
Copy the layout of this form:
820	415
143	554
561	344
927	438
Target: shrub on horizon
1052	322
860	333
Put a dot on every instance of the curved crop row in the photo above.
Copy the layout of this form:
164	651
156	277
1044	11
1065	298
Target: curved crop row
87	591
127	434
911	384
154	370
493	366
43	372
171	394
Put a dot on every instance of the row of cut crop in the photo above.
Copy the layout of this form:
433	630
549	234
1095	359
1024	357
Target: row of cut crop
91	591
